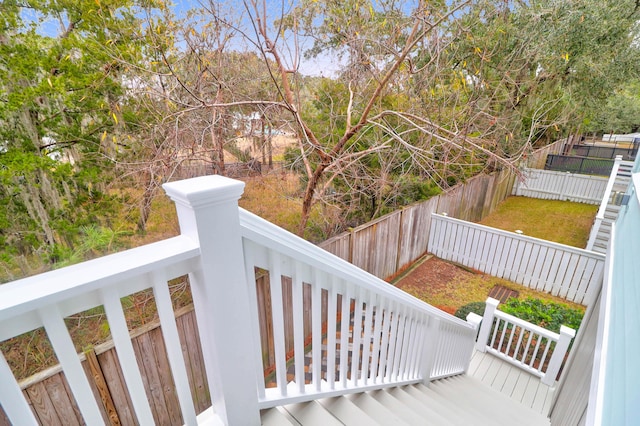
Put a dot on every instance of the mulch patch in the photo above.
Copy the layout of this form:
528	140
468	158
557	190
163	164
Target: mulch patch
502	293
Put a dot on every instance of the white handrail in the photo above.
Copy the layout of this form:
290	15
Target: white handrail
605	201
267	234
402	339
45	300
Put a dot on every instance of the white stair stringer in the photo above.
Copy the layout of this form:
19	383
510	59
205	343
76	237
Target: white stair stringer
458	400
621	183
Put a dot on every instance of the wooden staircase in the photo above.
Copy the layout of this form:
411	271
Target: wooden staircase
623	178
457	400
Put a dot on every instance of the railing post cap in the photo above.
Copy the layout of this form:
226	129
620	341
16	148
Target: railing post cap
204	190
474	319
567	331
493	302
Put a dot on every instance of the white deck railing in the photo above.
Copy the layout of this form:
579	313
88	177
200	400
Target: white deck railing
362	334
45	300
365	334
534	349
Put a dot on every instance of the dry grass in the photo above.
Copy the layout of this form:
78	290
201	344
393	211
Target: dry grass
559	221
449	286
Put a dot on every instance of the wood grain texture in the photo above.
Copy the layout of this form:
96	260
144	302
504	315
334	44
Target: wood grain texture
101	385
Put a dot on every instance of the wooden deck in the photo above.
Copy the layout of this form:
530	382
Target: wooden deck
517	384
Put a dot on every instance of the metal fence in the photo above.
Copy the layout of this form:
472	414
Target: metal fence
581	165
608	152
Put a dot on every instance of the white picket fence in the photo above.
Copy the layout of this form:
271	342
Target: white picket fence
551	185
560	270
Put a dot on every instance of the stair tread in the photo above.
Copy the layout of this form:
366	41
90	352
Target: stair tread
347	412
458	400
405	413
311	414
376	409
274	417
443	408
499	407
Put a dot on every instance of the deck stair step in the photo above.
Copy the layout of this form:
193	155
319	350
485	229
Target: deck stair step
621	183
458	400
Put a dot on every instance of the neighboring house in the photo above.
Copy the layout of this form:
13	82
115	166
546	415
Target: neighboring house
348	348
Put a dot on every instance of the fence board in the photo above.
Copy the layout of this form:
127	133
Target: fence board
539	156
62	400
190	339
450	201
375	245
42	405
340	245
534	263
416	221
117	388
474	195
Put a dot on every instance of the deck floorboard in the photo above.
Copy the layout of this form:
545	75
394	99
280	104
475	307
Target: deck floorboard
511	381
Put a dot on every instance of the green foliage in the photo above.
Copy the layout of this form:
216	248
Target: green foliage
95	241
475	307
620	114
62	109
545	314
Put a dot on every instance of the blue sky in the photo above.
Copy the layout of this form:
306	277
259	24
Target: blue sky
315	66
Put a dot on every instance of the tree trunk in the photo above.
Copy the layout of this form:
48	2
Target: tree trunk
216	135
307	199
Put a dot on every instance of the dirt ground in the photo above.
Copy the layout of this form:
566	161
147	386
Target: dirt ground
434	277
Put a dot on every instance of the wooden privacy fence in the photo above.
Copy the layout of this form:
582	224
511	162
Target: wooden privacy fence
386	245
560	270
538	158
50	397
551	185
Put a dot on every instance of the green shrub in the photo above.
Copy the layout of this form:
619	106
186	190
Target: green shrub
475	307
545	314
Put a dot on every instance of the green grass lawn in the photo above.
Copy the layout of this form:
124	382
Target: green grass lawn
559	221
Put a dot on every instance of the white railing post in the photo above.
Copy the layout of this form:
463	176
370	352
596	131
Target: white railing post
566	335
605	202
208	212
475	320
487	322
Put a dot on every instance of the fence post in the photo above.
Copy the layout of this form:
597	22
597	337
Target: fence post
565	184
207	209
487	323
566	334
